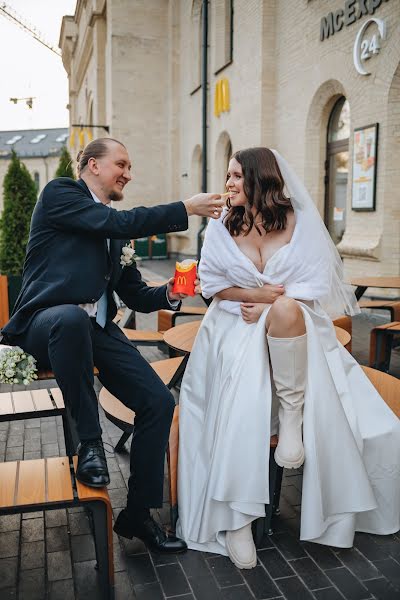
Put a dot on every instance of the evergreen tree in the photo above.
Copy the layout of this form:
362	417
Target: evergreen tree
19	194
64	168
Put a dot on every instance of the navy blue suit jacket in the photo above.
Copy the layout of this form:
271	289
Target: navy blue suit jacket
68	261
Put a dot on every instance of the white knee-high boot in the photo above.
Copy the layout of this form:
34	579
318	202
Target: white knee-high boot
289	368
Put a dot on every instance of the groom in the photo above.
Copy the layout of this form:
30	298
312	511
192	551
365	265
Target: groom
63	317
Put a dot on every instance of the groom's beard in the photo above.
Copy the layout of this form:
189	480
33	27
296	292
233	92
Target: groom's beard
115	196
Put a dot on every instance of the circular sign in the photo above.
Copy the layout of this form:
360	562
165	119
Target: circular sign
364	49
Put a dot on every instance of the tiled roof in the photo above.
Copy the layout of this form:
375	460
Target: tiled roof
29	143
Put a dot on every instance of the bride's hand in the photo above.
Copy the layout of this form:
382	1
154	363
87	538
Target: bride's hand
269	293
252	312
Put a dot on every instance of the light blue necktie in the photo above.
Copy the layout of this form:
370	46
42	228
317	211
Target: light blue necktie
101	316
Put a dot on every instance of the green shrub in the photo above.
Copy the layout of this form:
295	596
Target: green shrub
64	168
19	193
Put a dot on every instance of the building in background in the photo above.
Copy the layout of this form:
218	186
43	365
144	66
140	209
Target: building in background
39	150
317	80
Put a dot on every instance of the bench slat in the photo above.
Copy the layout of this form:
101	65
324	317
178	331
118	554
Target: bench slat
59	486
6	405
42	400
23	402
112	406
57	397
138	335
166	368
31	483
8	474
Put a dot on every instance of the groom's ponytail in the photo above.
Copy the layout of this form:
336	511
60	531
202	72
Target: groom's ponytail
95	149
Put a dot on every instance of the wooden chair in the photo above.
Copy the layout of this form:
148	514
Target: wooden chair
167	318
4	308
50	483
169	370
387	386
393	306
345	323
381	343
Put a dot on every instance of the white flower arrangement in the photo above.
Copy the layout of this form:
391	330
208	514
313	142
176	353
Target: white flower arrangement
128	256
16	366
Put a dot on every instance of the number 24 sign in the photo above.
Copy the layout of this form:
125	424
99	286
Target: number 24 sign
365	48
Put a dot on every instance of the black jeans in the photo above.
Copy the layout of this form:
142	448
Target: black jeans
69	342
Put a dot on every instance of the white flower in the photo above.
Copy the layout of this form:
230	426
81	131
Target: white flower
16	366
128	256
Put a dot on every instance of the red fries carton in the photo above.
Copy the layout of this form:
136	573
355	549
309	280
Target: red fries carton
185	275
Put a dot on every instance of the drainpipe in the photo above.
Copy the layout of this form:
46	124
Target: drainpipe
204	86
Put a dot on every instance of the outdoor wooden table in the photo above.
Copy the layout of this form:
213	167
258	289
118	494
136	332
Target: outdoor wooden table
181	337
362	283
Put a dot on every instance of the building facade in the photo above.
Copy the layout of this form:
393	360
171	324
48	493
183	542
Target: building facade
319	80
39	150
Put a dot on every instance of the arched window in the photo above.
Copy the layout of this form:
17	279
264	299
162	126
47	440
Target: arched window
36	178
337	169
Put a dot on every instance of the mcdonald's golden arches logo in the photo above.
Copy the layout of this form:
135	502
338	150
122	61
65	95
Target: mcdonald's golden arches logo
222	101
181	280
80	136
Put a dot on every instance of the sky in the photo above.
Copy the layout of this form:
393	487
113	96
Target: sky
30	69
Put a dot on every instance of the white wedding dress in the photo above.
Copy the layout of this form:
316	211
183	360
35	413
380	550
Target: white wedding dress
351	477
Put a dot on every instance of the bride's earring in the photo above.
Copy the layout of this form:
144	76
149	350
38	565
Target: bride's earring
228	203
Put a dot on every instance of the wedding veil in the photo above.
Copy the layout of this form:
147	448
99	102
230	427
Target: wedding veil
317	251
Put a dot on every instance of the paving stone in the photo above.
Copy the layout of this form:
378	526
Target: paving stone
14	453
274	562
117	481
9	594
150	591
323	556
32	455
79	523
289	546
9	544
310	574
205	588
382	589
32	555
260	583
15	440
366	544
56	518
83	548
328	594
224	571
57	539
358	564
10	523
348	584
123	588
32	585
32	530
59	565
193	564
8	572
32	424
49	450
140	569
237	592
3	435
61	590
32	515
173	580
293	589
390	568
118	497
86	580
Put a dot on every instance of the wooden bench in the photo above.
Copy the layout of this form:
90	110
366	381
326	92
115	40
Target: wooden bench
169	370
345	323
380	347
167	318
50	483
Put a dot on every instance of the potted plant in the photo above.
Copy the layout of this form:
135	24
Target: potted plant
19	194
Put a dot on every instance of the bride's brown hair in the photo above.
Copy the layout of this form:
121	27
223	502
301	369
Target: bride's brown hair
264	189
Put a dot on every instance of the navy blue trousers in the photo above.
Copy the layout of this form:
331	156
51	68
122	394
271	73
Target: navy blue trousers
69	342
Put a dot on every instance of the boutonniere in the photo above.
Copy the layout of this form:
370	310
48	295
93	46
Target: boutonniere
128	256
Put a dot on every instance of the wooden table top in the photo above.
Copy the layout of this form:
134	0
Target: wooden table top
181	337
378	282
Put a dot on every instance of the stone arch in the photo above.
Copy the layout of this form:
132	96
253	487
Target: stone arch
319	112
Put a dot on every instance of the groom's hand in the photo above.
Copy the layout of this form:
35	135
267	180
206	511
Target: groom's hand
197	286
205	205
171	294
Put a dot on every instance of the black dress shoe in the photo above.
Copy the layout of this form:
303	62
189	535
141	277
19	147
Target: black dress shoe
150	533
92	465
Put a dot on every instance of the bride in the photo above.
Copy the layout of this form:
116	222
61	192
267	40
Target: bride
277	280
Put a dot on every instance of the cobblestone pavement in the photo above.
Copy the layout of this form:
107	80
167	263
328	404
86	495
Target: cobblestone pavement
51	556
